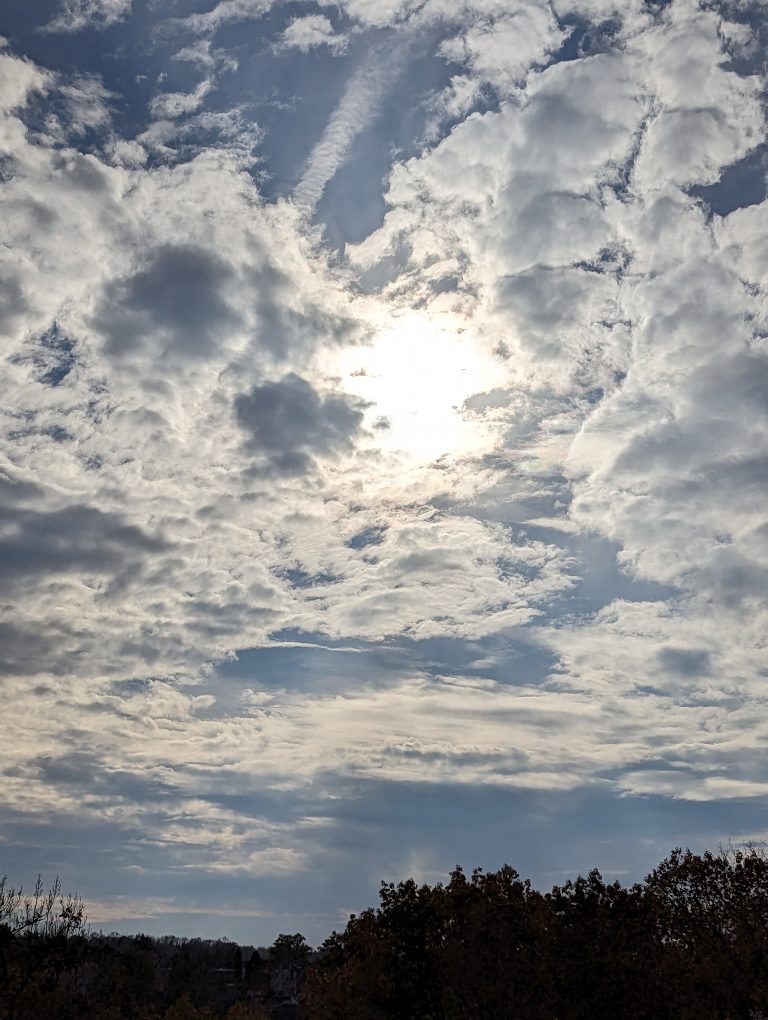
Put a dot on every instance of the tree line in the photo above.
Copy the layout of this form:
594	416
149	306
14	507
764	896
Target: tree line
690	942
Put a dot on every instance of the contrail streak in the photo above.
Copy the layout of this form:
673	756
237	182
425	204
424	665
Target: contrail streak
359	106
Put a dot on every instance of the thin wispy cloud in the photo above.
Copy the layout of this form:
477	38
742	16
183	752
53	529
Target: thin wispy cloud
361	102
75	15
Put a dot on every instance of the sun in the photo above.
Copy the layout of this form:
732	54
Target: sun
415	375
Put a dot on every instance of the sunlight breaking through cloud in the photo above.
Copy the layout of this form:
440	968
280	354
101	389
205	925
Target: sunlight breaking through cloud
384	441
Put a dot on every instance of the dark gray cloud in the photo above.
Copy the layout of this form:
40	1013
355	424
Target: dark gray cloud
18	642
285	325
87	772
174	305
289	422
685	662
13	304
41	543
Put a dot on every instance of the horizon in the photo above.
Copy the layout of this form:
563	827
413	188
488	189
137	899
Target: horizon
384	447
316	947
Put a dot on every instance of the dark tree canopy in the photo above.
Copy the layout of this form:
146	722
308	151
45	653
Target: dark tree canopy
688	943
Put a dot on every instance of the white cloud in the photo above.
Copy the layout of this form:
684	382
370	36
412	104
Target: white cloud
177	104
682	786
18	80
311	31
75	15
208	22
203	55
502	51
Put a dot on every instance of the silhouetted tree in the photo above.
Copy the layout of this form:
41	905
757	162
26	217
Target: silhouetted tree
712	916
690	943
40	950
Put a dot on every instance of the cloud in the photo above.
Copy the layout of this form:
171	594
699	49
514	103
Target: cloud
243	627
686	787
76	15
311	31
176	304
203	55
86	103
357	109
180	139
176	104
130	284
71	539
224	12
502	50
288	421
19	79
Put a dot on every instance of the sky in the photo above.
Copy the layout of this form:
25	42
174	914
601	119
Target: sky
384	447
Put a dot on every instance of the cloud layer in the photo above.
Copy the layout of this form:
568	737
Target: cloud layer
245	620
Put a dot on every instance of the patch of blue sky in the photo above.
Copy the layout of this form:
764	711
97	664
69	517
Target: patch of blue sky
352	205
600	578
127	57
313	666
310	664
292	94
742	184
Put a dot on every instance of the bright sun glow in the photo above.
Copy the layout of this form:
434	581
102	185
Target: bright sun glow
416	374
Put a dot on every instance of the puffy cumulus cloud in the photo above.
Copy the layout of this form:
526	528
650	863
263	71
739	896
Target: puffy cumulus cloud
540	187
687	423
632	323
144	305
522	197
161	413
707	115
75	15
502	50
547	204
